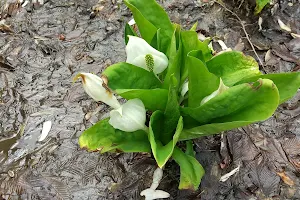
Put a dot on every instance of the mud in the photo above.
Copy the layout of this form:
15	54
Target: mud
53	42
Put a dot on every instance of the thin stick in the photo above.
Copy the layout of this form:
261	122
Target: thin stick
246	33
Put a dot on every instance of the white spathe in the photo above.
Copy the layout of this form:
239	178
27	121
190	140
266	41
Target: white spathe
130	117
140	53
94	86
185	88
151	193
221	89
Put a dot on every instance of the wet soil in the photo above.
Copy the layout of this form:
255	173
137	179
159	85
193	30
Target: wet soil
49	44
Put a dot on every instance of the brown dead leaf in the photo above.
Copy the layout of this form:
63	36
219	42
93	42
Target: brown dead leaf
287	180
5	28
284	54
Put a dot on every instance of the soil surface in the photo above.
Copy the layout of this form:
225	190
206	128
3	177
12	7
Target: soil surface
43	46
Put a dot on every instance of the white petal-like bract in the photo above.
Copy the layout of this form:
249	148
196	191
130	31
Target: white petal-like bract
141	54
157	176
130	117
221	89
151	194
185	88
94	86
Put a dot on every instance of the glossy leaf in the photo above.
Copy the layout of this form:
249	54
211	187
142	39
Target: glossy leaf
128	31
191	171
214	128
287	83
251	102
191	42
153	99
161	152
103	137
174	60
126	76
260	4
146	28
172	112
194	27
201	82
156	15
233	66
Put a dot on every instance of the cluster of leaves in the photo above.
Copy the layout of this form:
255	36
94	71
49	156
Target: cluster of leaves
251	97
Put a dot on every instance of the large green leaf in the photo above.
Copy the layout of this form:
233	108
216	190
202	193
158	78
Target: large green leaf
191	171
146	28
251	102
156	15
103	137
153	99
233	66
191	42
128	31
172	112
161	152
174	59
126	76
260	4
287	83
211	129
201	82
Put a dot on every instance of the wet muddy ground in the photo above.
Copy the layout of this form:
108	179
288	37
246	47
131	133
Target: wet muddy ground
45	46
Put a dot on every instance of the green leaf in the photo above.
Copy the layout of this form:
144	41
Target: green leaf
211	129
146	28
260	4
172	112
245	102
126	76
156	15
189	148
154	42
233	66
191	42
153	99
194	27
161	152
191	171
174	59
103	137
201	82
287	83
128	31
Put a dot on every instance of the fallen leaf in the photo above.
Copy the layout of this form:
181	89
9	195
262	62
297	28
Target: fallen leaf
287	180
46	129
283	26
294	35
228	175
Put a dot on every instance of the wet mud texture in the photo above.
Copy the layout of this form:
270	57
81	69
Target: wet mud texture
49	44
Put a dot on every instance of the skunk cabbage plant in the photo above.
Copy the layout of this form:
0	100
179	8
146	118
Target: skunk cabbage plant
186	91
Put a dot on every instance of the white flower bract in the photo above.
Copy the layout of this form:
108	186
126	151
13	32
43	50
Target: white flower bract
94	86
151	193
185	88
130	117
141	54
221	89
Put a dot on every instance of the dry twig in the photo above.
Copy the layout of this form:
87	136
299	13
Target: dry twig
244	29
